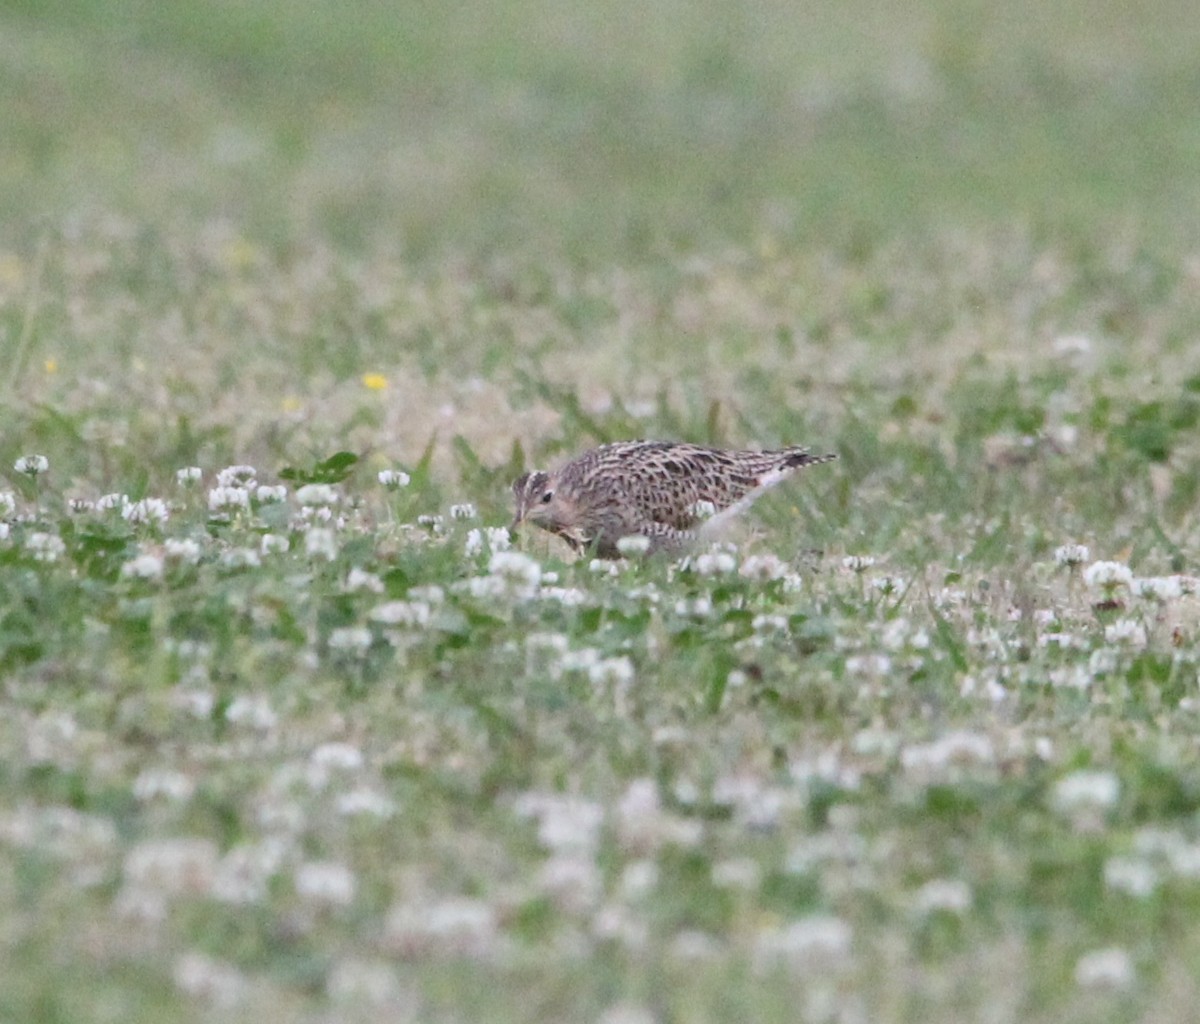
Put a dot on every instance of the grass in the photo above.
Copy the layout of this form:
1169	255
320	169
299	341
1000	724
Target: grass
901	754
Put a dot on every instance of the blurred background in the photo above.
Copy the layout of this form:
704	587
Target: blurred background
604	132
529	226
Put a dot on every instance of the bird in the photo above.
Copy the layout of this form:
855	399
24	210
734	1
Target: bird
669	492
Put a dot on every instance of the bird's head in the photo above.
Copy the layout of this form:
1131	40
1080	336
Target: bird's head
538	501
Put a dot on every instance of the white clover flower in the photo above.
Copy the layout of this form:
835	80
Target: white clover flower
352	639
858	563
617	671
364	801
228	498
32	465
430	522
1107	576
199	703
633	545
237	476
696	608
875	742
1181	854
328	883
494	538
943	895
714	563
271	494
874	665
150	511
763	568
895	634
1086	790
1070	677
703	510
254	712
465	510
989	687
310	515
454	927
320	542
564	822
641	819
401	613
317	494
639	878
244	873
1062	640
273	544
1109	968
8	504
516	568
365	983
1072	346
5	530
154	784
547	643
359	579
1071	554
484	588
394	479
1045	617
603	567
770	623
188	475
146	566
84	841
756	804
569	597
336	756
430	593
1129	632
215	982
617	923
108	502
572	880
579	661
45	547
173	867
954	748
191	650
1159	588
498	538
240	558
1132	876
887	585
811	943
691	946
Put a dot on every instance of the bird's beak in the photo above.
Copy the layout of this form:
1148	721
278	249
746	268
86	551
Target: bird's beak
515	523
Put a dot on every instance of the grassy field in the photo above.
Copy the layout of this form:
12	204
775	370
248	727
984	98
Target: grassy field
283	741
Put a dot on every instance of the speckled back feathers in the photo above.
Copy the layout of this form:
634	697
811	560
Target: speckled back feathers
647	488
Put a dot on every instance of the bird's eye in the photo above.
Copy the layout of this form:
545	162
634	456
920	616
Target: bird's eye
547	497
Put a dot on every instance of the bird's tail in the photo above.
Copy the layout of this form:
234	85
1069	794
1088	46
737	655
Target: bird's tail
794	458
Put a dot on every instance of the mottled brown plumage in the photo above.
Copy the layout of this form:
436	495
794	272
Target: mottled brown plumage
648	489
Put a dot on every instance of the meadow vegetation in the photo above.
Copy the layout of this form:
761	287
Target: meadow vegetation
292	730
